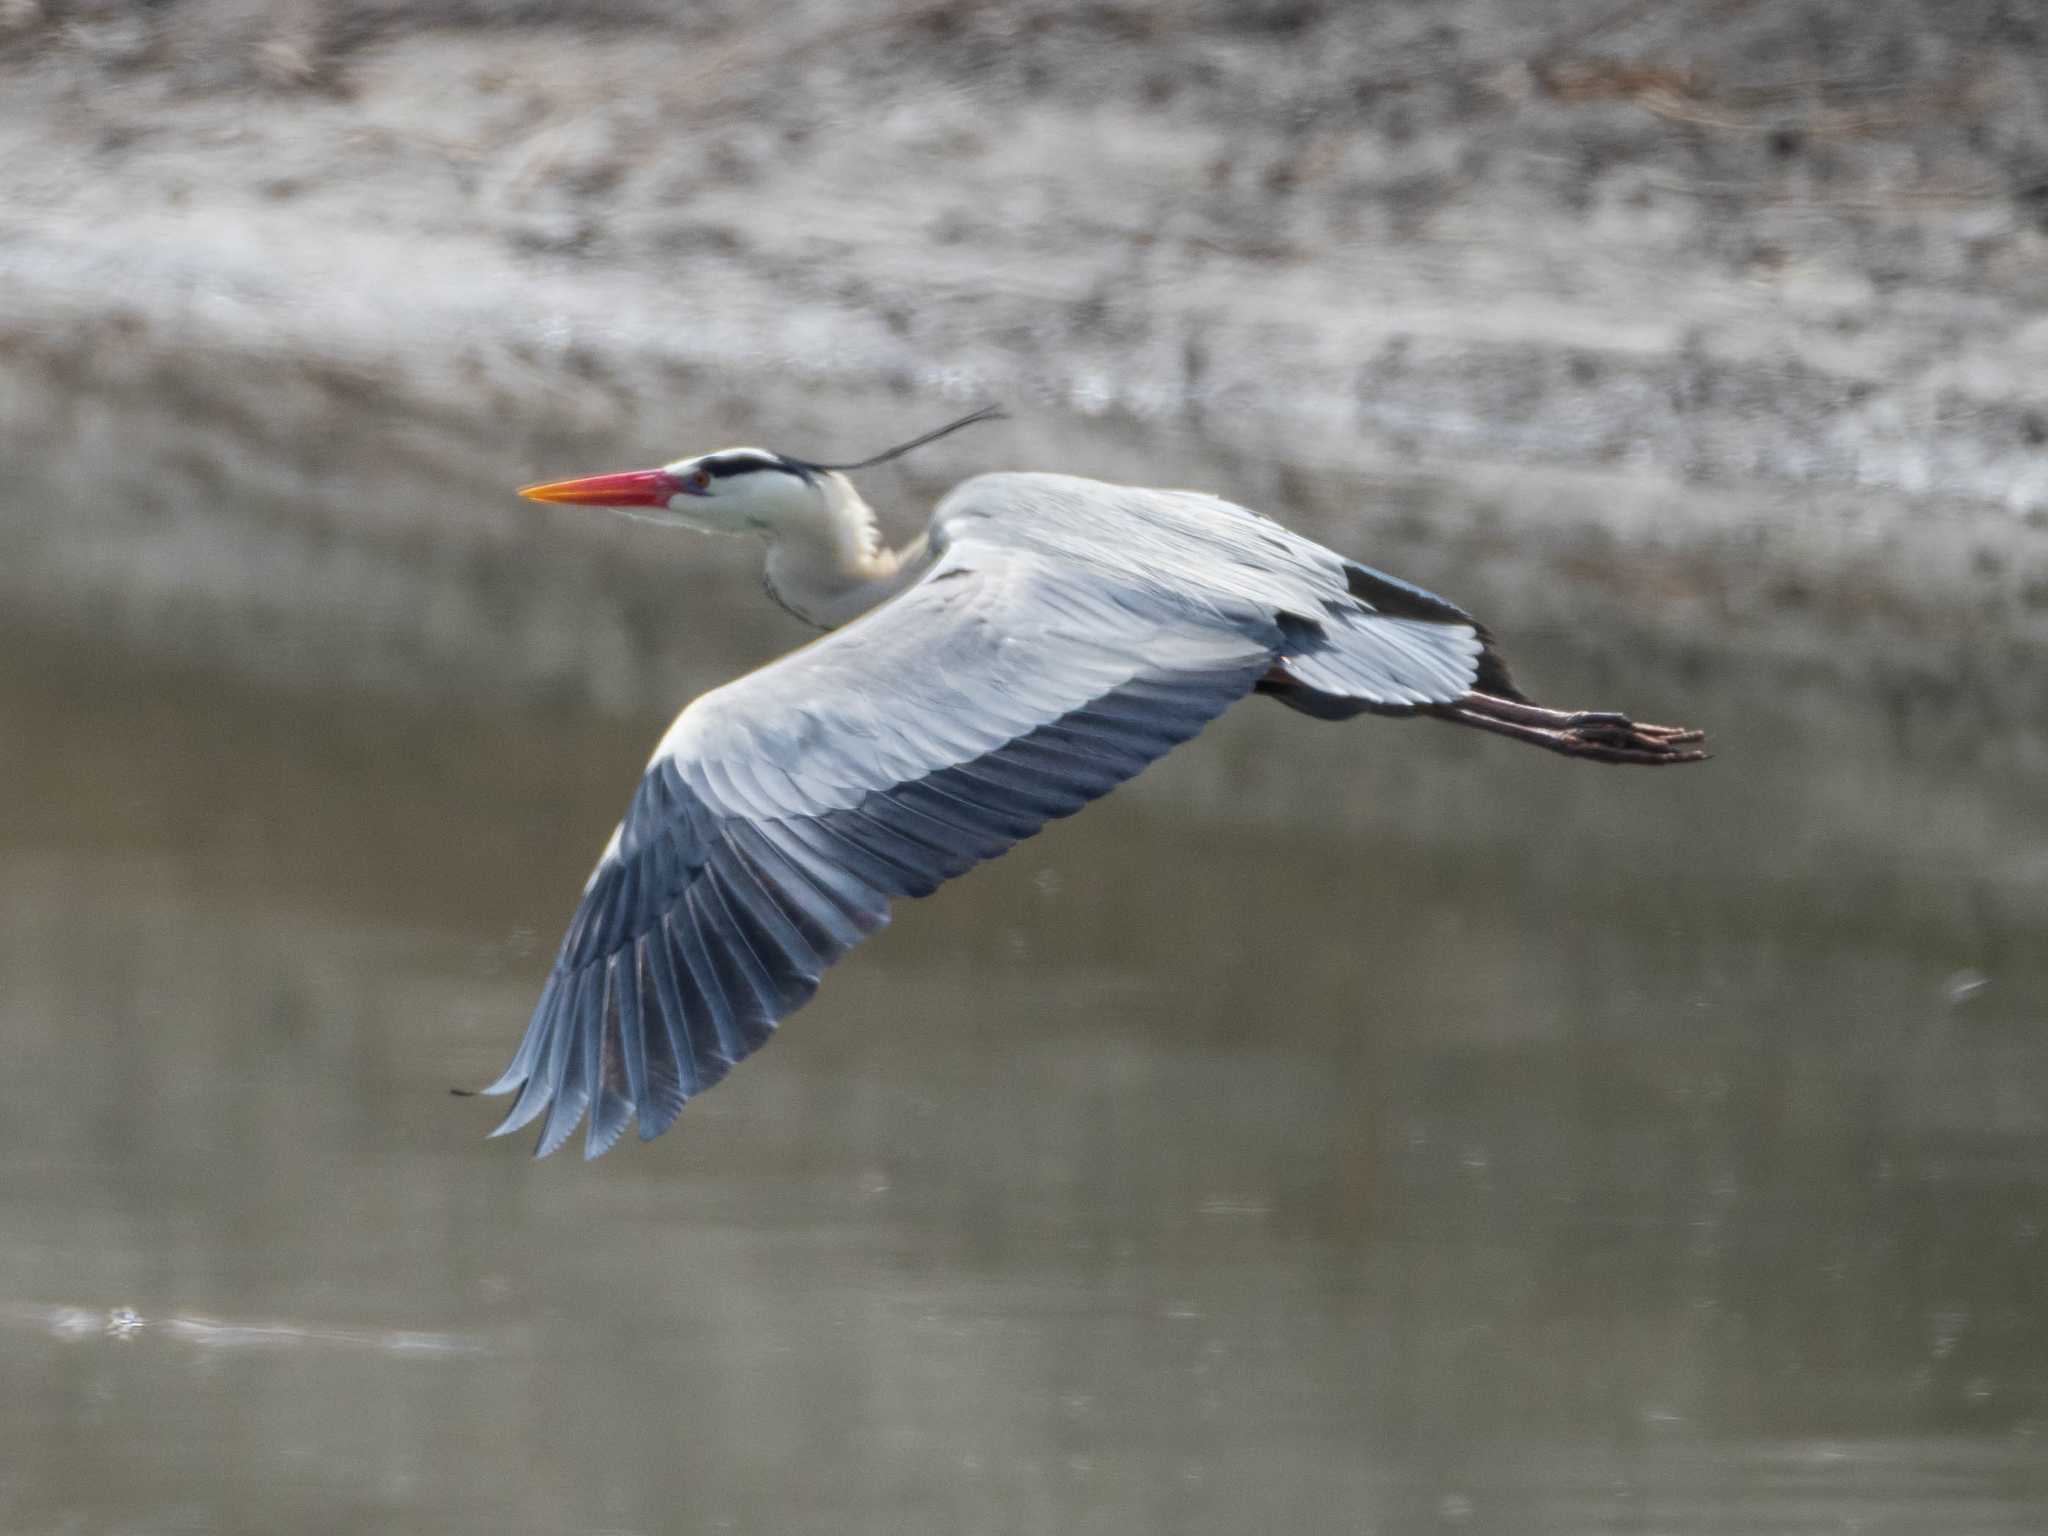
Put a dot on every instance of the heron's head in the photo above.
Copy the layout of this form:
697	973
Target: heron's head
735	490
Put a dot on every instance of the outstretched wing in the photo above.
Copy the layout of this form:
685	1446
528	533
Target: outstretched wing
783	812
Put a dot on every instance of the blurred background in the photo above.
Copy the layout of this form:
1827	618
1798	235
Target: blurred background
1357	1129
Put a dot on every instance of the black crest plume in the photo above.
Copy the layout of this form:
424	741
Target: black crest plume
986	413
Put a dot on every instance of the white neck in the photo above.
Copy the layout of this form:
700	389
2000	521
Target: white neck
833	568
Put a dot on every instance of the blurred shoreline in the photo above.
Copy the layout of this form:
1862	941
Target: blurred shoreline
1617	331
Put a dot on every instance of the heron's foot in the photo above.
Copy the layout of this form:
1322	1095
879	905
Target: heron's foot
1600	736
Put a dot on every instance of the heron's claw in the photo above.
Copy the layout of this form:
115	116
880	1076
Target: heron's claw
1591	734
1600	736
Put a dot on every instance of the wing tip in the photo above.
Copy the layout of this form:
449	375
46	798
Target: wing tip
602	1132
606	1128
516	1118
563	1118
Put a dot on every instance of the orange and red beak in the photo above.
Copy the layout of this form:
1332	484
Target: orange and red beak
633	488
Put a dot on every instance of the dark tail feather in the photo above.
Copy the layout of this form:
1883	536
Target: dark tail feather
1397	599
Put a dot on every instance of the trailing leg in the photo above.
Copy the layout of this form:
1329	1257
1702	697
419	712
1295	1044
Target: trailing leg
1597	735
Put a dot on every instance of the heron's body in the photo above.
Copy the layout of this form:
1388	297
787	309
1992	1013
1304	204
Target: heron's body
1044	640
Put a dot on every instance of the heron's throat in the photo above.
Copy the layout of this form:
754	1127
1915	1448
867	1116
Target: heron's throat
834	567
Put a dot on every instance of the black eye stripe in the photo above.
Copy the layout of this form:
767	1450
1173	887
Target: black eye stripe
722	468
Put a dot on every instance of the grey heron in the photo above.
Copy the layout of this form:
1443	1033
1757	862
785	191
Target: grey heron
1042	641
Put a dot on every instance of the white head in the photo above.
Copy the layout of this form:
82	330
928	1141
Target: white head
735	490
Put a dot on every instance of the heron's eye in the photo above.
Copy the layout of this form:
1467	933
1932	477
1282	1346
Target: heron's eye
697	481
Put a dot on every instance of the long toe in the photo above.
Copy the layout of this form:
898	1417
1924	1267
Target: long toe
1670	735
1617	739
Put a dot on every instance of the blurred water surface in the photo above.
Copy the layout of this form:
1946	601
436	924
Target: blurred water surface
1362	1128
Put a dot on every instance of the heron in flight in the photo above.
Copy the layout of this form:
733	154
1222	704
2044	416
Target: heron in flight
1043	640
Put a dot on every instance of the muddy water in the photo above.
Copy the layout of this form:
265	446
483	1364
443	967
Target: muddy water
1343	1128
